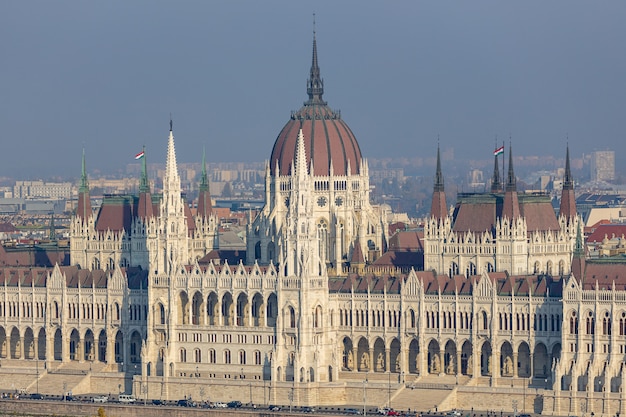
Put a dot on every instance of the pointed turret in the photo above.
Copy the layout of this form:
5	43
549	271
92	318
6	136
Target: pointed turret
568	199
510	207
171	180
83	210
496	183
511	181
315	83
205	207
300	161
145	209
578	257
438	208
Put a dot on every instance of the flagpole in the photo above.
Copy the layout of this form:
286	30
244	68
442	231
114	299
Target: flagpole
503	171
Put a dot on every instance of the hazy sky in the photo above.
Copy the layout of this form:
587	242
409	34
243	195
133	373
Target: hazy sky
107	74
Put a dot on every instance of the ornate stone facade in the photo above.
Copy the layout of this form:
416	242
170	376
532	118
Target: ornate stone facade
506	298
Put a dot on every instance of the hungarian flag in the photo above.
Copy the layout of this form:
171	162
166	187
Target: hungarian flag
140	155
497	152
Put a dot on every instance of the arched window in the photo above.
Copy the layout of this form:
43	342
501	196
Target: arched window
227	356
242	357
292	317
162	313
183	355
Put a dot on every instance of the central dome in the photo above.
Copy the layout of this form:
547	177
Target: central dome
327	138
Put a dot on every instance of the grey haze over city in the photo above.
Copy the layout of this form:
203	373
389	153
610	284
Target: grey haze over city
105	76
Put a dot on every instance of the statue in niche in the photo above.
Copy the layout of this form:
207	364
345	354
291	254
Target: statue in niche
365	361
470	365
450	369
350	360
508	366
434	365
398	363
380	362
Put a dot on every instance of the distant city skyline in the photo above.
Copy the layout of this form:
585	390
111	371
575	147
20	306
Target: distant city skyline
107	76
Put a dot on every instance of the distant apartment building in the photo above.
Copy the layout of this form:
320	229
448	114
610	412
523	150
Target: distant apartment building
41	189
602	166
378	176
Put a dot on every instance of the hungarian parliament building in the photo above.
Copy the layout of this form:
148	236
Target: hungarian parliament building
502	298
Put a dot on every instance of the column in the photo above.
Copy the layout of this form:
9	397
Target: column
355	358
515	363
442	363
495	363
371	361
110	353
36	347
387	360
458	361
81	350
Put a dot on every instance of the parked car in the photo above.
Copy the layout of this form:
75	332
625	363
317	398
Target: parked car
36	396
383	410
100	399
234	404
352	411
220	405
126	399
186	403
308	409
393	413
69	398
274	408
158	402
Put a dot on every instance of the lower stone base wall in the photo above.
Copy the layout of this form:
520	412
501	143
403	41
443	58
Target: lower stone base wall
261	392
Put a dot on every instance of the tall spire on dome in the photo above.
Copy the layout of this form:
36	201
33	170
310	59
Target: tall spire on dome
315	83
438	207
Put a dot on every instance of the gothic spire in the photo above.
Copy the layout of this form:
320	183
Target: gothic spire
84	183
144	184
567	207
578	257
83	210
315	83
511	182
300	157
496	183
205	207
567	178
438	208
171	180
510	207
438	174
578	248
204	182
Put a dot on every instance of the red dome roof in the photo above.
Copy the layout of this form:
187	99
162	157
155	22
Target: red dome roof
327	138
